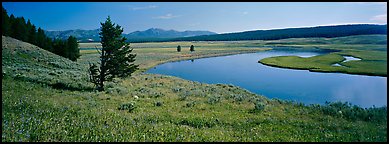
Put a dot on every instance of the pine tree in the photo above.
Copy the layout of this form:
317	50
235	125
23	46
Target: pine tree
12	21
31	33
179	48
20	29
73	50
40	39
59	47
5	23
116	59
191	48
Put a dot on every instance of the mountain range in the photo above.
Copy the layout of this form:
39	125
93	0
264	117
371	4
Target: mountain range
160	35
147	35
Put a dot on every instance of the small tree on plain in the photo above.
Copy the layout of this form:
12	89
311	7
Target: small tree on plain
116	59
191	48
179	48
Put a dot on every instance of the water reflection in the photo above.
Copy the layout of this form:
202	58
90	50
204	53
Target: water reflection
243	70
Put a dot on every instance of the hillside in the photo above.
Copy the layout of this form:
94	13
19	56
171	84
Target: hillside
320	31
28	62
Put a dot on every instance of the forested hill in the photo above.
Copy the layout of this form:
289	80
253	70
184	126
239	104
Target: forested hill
320	31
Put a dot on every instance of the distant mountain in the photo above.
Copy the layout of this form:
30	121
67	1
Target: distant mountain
147	35
160	33
320	31
81	35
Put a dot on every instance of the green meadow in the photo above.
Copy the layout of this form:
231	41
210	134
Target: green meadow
48	98
372	50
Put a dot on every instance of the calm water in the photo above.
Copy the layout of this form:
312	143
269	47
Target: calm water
243	70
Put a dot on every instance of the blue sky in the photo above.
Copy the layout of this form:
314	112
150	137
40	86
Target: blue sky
220	17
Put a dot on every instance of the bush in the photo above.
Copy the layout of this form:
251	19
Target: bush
190	104
238	97
117	90
156	95
259	105
128	106
158	103
184	96
176	90
214	99
354	112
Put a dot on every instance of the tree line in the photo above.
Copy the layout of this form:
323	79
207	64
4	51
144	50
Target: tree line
276	34
18	28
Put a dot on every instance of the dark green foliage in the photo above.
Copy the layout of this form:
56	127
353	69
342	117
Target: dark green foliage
19	29
353	112
116	59
158	103
5	25
59	47
259	105
40	39
73	52
320	31
178	48
190	104
31	29
93	72
191	48
127	106
214	99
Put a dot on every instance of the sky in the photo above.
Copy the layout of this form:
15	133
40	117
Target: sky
219	17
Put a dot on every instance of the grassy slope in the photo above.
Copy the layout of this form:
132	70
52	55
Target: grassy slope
373	55
190	111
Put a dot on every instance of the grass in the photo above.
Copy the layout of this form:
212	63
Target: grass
152	54
373	56
160	108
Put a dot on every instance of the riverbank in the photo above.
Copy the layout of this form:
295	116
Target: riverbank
324	63
371	49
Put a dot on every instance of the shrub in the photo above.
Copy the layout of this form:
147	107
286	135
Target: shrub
156	95
176	90
259	105
190	104
214	99
158	103
183	96
238	97
354	112
127	106
118	90
109	85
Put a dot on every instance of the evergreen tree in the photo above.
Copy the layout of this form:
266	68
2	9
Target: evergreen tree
40	39
179	48
20	29
73	50
59	47
48	44
12	21
31	33
191	48
5	23
116	59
